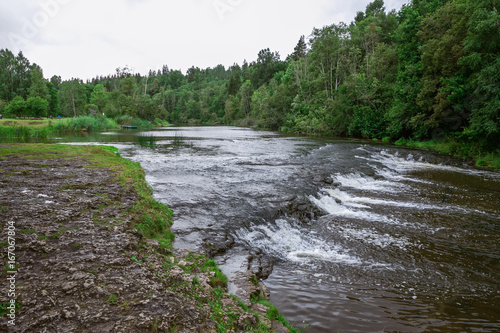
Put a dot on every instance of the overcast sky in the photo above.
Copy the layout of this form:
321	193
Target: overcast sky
85	38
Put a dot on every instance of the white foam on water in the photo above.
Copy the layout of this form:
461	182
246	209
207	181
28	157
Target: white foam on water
389	174
361	202
330	205
361	182
373	237
402	164
292	243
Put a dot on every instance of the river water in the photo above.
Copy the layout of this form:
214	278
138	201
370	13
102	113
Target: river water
364	237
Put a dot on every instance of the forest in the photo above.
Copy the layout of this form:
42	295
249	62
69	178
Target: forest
430	71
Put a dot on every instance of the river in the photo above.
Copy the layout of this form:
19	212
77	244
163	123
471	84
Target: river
364	237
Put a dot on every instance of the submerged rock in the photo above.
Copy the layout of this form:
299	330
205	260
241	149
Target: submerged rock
218	244
302	209
260	264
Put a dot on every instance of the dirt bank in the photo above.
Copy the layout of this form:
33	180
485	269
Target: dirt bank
83	265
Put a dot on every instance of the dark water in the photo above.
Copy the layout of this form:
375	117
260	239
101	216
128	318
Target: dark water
408	240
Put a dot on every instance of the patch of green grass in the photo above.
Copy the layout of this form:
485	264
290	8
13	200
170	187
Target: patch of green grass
102	195
136	260
219	280
76	186
23	133
196	281
400	142
4	308
209	265
27	122
27	231
112	299
254	280
58	234
491	160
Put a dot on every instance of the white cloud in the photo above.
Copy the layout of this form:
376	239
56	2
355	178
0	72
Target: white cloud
84	38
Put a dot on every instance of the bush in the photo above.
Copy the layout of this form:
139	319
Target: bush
400	142
127	120
37	107
159	122
124	120
17	107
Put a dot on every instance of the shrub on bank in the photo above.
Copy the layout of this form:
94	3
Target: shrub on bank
127	120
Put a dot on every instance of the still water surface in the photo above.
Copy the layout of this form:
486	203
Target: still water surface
405	240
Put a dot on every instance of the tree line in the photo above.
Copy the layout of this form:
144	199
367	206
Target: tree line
428	71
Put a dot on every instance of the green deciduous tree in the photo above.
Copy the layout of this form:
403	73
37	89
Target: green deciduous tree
37	107
38	87
99	97
54	104
17	107
482	62
234	84
442	34
73	98
14	75
409	74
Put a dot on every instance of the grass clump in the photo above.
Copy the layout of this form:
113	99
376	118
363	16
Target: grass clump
23	132
491	160
83	124
112	299
4	308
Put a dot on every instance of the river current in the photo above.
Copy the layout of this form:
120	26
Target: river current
384	238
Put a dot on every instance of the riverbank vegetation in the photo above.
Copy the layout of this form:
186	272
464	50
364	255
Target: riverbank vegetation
39	129
427	72
43	128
